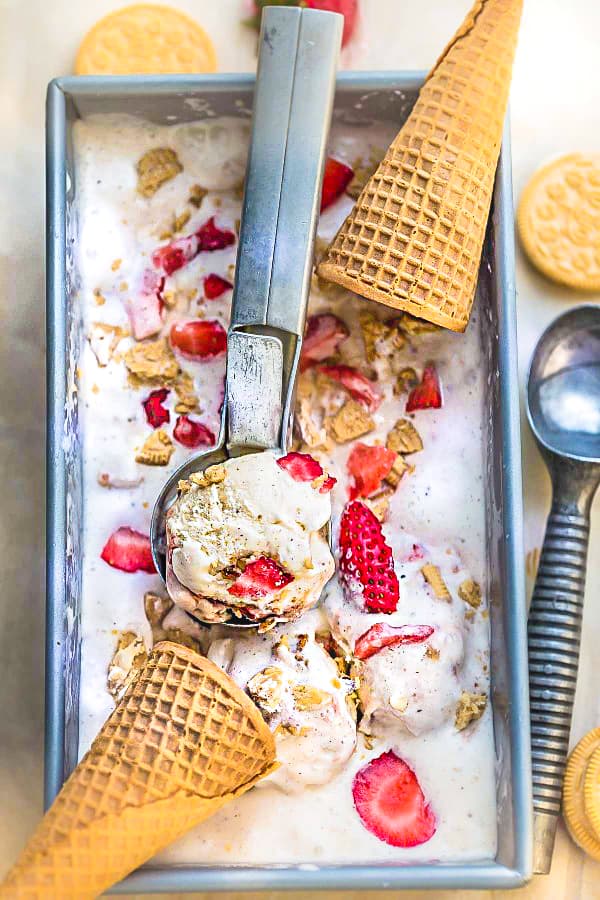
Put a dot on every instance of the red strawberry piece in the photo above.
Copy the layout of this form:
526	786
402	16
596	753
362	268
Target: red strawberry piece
324	333
128	550
192	434
336	179
176	254
347	8
261	577
357	385
416	553
215	286
391	804
328	485
211	237
156	414
383	635
199	339
428	394
365	561
301	466
369	466
145	309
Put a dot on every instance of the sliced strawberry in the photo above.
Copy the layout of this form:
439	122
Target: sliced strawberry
365	561
156	414
383	635
347	8
328	485
391	805
357	385
428	394
128	550
301	466
176	254
145	309
192	434
199	339
211	237
261	577
336	178
181	251
369	465
324	333
215	286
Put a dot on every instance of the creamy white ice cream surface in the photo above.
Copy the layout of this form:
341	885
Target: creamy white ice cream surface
343	684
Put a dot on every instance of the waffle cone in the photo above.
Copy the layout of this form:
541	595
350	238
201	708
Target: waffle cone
182	742
413	240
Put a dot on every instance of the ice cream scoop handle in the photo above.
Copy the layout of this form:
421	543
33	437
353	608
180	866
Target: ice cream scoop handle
554	634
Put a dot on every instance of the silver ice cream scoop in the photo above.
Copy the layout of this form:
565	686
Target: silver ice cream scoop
293	100
563	406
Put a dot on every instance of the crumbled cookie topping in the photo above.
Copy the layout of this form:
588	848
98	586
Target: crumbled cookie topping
197	195
397	472
155	168
307	697
432	652
267	689
212	475
404	438
470	708
379	505
406	380
181	220
187	399
156	450
412	326
433	577
151	362
377	333
470	592
128	660
104	340
351	421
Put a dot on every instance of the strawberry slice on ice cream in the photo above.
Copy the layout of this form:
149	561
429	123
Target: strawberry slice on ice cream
304	467
178	253
145	309
369	466
383	635
427	394
391	804
336	178
129	551
192	434
156	414
366	563
358	385
324	333
199	339
261	577
215	286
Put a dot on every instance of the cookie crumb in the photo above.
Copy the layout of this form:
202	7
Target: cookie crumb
156	167
157	449
470	708
433	577
470	592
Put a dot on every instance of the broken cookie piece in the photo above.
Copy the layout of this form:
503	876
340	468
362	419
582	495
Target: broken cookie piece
151	362
404	438
307	697
187	399
406	380
104	340
470	708
399	469
156	450
212	475
267	688
433	577
128	660
155	168
351	421
470	592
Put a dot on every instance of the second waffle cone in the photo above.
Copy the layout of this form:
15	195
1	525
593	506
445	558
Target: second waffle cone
182	742
413	240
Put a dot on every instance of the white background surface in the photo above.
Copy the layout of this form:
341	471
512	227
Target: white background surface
555	109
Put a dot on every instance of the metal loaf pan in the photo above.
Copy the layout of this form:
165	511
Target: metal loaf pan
360	98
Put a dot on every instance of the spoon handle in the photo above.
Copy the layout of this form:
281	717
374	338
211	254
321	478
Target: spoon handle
554	632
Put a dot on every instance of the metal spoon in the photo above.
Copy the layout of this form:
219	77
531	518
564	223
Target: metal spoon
293	102
563	407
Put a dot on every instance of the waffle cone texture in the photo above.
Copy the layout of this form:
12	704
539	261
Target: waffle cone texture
413	240
183	741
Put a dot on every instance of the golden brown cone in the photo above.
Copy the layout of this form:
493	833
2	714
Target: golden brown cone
413	240
182	742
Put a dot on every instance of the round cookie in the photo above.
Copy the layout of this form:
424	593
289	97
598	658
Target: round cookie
591	792
559	220
145	40
576	820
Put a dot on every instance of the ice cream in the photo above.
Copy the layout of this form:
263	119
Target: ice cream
302	694
245	538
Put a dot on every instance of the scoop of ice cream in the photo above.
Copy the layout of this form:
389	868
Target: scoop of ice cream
245	538
299	689
409	664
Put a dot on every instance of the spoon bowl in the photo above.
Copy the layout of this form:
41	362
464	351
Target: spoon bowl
563	408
